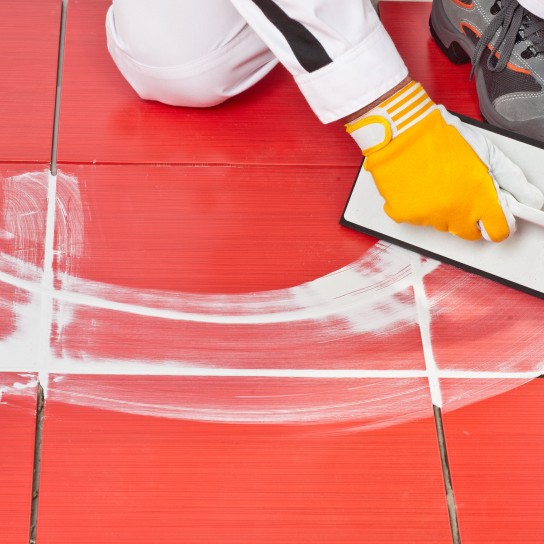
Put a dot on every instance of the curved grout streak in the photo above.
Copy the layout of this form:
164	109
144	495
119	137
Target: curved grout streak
362	404
260	357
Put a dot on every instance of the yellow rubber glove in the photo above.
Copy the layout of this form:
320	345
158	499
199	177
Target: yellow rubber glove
433	170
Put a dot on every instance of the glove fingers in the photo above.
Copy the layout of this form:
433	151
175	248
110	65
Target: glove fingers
510	177
462	229
465	231
507	174
498	224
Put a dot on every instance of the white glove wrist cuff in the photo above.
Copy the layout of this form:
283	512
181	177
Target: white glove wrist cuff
376	128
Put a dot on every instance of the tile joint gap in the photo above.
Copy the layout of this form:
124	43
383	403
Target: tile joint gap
60	62
446	473
36	472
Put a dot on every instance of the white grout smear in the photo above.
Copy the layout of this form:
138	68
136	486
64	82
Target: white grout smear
375	285
424	314
19	348
26	252
47	283
352	347
24	221
347	319
17	385
368	404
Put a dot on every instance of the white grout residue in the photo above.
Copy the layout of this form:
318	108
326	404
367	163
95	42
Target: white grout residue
352	347
24	218
18	384
424	318
19	348
47	284
368	295
369	404
37	209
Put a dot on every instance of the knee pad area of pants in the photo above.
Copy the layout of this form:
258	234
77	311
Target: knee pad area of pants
200	82
200	89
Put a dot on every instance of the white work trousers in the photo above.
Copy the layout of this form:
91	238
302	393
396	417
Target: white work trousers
200	52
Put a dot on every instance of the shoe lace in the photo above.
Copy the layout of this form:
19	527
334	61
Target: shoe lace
513	20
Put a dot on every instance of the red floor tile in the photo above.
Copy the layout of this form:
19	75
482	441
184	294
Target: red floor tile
93	337
496	457
479	325
243	267
130	478
205	230
17	427
103	120
29	40
446	83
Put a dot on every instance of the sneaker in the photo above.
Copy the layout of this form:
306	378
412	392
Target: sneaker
505	44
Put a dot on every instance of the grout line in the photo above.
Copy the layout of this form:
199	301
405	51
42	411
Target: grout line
60	62
302	313
192	164
177	369
424	320
448	484
47	285
36	473
433	376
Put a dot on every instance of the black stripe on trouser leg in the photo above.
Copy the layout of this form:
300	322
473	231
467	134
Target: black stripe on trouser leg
310	54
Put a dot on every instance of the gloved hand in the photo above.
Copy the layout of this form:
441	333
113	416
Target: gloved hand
432	169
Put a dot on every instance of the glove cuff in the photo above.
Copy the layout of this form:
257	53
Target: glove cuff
377	127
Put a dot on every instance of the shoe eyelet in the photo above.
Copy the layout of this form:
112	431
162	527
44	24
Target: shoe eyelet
528	53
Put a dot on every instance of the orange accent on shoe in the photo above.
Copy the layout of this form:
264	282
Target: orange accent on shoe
463	5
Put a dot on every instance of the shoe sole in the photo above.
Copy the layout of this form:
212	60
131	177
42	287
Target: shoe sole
458	48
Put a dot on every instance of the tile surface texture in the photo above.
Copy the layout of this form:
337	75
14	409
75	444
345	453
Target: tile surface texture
29	43
495	450
223	362
128	478
29	39
17	423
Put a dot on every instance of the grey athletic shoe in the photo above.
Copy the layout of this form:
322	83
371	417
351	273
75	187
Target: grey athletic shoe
505	44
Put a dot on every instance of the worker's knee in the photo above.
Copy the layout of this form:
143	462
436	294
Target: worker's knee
198	75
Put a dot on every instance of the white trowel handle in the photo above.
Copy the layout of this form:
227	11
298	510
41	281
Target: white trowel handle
524	212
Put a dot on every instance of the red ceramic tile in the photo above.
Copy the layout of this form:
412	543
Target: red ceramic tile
226	267
29	40
205	230
446	83
87	337
103	120
479	325
495	449
17	424
131	478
